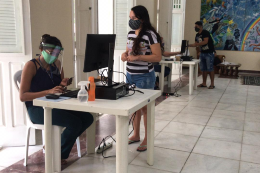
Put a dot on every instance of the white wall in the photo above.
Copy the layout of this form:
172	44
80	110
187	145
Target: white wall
54	18
151	6
249	60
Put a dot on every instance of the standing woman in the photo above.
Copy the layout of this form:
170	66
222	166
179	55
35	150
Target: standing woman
143	48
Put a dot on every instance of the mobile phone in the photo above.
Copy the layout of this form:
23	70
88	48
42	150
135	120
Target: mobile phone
70	80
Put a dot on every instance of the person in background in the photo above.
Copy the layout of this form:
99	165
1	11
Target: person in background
157	66
204	41
44	75
143	48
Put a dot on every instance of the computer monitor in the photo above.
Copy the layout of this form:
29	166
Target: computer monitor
100	53
183	46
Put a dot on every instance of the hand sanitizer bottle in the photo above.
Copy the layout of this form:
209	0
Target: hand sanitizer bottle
83	94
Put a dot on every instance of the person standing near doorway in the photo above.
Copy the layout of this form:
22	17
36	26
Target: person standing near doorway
205	42
143	48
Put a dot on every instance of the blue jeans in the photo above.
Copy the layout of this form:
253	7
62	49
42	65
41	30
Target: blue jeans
143	81
206	61
75	122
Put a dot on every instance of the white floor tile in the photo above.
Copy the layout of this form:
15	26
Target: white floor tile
250	153
175	141
229	114
252	126
207	164
249	167
184	128
140	169
231	107
169	106
164	159
92	165
197	111
11	155
222	134
226	123
252	117
1	168
252	108
251	138
202	104
165	115
190	118
223	149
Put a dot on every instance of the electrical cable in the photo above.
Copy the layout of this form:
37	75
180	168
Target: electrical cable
109	136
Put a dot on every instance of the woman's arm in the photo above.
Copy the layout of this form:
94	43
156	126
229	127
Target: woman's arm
167	54
156	55
124	55
28	73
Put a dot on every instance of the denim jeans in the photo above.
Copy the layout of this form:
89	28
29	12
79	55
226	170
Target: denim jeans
206	61
143	81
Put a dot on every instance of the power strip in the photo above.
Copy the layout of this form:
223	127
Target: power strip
107	146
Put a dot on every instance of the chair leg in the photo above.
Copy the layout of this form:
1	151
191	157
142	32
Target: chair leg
56	139
43	142
26	145
78	147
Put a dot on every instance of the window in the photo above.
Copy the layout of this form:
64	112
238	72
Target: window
177	23
113	18
11	28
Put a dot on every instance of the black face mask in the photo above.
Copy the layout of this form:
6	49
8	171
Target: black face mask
134	24
197	29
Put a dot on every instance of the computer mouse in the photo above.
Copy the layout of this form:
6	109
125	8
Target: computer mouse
52	96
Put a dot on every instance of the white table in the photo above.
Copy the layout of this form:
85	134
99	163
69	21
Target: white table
122	108
193	74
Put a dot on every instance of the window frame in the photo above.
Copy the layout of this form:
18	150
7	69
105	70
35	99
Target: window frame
19	16
176	11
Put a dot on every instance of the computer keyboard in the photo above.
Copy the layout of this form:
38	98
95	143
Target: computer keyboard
72	94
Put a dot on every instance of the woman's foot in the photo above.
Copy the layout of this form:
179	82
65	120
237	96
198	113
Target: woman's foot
202	85
133	139
142	146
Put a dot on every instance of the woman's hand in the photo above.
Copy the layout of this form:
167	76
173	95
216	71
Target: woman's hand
124	57
65	82
57	89
131	58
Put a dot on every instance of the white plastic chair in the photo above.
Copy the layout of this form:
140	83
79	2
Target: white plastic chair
57	130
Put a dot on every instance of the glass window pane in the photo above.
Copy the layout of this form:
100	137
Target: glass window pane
176	29
105	16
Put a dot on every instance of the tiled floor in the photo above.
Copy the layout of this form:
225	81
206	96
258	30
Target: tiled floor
211	131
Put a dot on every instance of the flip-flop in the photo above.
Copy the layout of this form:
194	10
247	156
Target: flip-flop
141	146
201	85
131	142
211	87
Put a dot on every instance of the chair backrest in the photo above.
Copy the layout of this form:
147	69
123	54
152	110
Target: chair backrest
17	81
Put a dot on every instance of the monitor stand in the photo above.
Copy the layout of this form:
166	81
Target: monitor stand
109	83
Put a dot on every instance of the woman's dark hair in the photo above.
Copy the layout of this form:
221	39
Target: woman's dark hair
142	14
46	38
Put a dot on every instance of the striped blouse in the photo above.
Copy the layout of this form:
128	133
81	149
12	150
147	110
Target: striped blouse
141	67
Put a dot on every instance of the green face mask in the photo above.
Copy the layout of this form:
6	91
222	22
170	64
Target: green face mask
49	59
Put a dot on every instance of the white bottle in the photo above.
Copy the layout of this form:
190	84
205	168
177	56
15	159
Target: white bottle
83	93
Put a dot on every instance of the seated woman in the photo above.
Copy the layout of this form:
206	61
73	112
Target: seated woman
44	75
